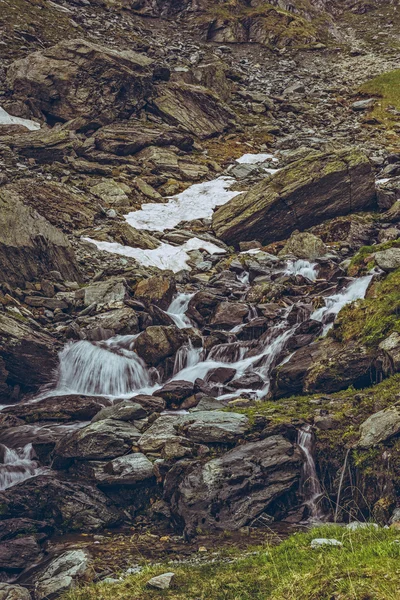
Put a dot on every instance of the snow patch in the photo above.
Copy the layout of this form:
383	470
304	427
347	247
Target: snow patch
6	119
165	256
255	159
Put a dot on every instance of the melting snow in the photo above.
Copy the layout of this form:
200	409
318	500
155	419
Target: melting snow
255	159
173	258
197	202
6	119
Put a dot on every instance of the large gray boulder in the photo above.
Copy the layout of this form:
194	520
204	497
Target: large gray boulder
124	470
305	193
380	427
77	78
13	592
29	245
59	408
62	574
231	491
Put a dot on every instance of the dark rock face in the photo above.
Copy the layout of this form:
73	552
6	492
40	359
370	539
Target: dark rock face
79	79
29	357
59	409
158	342
29	245
307	192
69	506
233	490
17	554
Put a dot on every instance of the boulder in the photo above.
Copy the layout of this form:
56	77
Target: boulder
13	592
45	145
158	342
149	403
229	314
388	260
19	553
174	392
124	470
77	78
194	108
380	427
161	582
111	193
210	427
29	357
59	408
17	528
68	505
122	321
62	574
105	293
307	192
158	290
101	440
231	491
159	433
29	245
125	234
127	410
304	245
326	366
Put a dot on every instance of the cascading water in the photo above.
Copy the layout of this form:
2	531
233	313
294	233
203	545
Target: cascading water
302	267
177	310
107	368
310	485
17	466
187	356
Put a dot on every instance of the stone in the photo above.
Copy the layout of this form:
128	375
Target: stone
362	105
59	408
380	427
214	427
30	246
127	470
159	433
175	392
229	492
220	375
101	440
68	506
13	592
390	349
19	553
388	260
127	235
356	525
158	290
28	357
194	108
304	245
122	321
111	192
305	193
158	342
149	403
161	582
325	542
62	574
229	314
108	292
127	410
79	79
45	146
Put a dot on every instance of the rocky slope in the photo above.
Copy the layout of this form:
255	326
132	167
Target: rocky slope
199	265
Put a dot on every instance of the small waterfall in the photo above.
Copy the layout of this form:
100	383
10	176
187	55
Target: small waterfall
356	290
302	267
177	310
17	465
107	368
311	487
243	277
187	356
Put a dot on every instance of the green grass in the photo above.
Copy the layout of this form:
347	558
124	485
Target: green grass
387	88
367	567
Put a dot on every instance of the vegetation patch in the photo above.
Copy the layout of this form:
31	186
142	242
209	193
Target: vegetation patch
387	88
365	567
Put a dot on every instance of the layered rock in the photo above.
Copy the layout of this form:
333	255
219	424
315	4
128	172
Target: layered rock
307	192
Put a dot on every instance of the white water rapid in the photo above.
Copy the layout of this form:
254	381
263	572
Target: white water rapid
17	465
177	310
310	485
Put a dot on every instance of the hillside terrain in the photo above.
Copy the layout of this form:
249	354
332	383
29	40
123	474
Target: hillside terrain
199	299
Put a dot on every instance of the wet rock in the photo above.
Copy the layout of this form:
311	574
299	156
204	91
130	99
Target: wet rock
29	356
122	321
253	329
229	492
194	108
59	409
29	245
202	305
62	574
206	404
127	410
250	381
149	403
214	427
19	553
304	245
229	314
68	505
380	427
158	342
161	582
175	392
158	290
77	78
13	592
98	441
220	375
307	192
388	260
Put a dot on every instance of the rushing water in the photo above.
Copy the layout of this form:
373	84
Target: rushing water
17	465
302	267
177	310
310	485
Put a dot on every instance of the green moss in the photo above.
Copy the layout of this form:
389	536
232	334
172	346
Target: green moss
365	567
362	261
387	88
